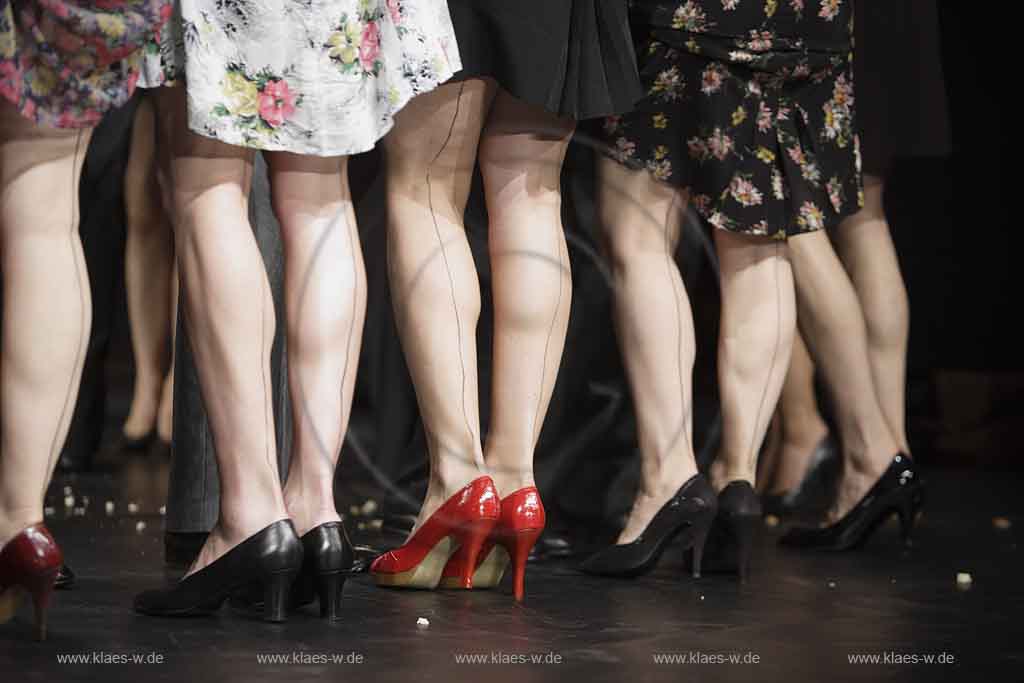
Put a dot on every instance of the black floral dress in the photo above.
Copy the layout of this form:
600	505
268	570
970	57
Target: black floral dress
749	104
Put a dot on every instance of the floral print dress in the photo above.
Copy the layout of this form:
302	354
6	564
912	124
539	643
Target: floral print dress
321	77
63	63
749	104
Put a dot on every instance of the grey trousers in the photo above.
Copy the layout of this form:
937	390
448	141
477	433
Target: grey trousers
193	497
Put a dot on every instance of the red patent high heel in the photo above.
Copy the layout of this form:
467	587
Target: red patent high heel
462	523
29	562
521	523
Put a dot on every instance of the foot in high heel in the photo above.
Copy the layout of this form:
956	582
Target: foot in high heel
29	562
732	533
688	514
521	523
326	563
463	521
271	557
815	487
899	491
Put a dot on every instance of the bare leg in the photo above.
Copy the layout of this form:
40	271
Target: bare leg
325	301
431	154
755	342
641	221
801	427
230	315
521	155
833	326
164	103
165	416
47	311
864	243
149	255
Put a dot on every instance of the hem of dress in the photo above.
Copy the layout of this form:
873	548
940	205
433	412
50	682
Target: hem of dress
53	122
325	152
783	234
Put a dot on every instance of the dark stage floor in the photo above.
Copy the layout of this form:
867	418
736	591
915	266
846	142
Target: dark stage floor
801	615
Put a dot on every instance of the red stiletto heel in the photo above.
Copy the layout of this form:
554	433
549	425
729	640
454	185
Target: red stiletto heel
519	551
30	562
463	523
521	523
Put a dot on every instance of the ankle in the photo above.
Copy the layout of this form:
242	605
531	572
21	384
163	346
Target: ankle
724	473
510	466
15	520
510	482
663	479
868	458
803	434
309	508
447	477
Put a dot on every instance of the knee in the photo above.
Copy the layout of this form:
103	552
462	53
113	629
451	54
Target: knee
515	179
631	238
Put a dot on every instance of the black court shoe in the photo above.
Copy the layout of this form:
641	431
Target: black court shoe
688	514
899	490
326	563
815	487
65	578
272	558
732	534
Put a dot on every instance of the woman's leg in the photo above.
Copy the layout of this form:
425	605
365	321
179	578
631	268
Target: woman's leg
864	243
163	104
800	424
149	256
833	326
325	305
431	153
165	416
758	321
521	155
641	220
47	310
230	317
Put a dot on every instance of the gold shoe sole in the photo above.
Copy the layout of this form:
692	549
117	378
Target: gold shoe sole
10	599
425	575
488	573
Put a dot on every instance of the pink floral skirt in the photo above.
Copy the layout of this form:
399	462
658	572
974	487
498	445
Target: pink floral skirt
64	63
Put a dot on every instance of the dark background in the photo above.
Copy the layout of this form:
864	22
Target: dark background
951	226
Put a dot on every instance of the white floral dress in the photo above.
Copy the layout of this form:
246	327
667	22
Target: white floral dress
320	77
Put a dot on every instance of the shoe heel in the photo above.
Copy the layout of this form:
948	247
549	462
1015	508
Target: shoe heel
329	588
518	548
700	537
276	590
907	511
471	539
41	589
745	529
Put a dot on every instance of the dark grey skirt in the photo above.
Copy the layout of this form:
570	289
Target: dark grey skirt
901	96
572	57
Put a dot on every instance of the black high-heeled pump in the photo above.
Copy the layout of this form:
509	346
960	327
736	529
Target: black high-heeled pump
815	487
688	514
899	491
327	561
65	578
271	557
732	533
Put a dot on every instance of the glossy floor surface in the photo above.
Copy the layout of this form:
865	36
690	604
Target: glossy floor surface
801	616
